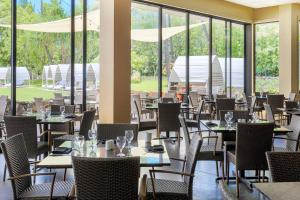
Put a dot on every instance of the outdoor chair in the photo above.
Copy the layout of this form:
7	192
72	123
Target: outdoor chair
143	124
193	99
175	190
16	157
276	101
254	107
237	114
38	104
224	104
253	140
59	101
168	119
197	115
211	151
292	138
106	178
269	114
284	166
292	96
142	111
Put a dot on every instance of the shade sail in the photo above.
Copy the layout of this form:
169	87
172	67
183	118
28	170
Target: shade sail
93	24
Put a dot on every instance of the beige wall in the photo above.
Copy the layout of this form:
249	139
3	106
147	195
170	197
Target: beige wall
266	14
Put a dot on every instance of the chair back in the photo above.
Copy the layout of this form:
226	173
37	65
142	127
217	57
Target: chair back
167	100
193	99
86	123
293	144
220	96
170	94
264	94
292	96
269	113
275	101
55	109
253	140
27	126
137	99
112	131
253	104
112	178
58	95
38	103
284	166
59	101
15	154
3	105
237	114
186	134
199	110
224	104
168	117
291	104
191	161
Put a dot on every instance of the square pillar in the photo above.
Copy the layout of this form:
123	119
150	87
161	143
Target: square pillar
115	64
288	48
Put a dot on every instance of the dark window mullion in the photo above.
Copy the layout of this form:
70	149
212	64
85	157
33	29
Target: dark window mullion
72	50
84	54
187	70
160	52
13	60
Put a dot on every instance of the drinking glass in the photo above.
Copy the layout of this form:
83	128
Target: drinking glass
121	142
129	137
261	94
81	142
254	117
62	110
227	119
92	136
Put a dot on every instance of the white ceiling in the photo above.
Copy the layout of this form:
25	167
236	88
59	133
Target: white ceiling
262	3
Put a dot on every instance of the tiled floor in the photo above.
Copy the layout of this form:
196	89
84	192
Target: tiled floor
205	186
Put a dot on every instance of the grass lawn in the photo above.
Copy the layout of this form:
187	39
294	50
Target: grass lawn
149	84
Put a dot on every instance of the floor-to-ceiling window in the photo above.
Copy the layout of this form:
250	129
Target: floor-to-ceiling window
144	50
267	57
5	46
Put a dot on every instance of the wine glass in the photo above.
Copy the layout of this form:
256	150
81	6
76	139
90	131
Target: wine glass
121	142
81	142
230	117
92	136
227	118
129	137
62	110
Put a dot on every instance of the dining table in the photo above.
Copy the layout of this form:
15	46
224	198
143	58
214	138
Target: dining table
279	190
141	149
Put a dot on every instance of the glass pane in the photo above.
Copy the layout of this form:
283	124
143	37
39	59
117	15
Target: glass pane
5	46
199	54
237	60
267	57
144	50
219	63
43	51
174	53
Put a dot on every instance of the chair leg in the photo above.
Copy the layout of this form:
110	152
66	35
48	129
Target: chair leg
4	172
65	174
237	182
223	170
227	170
217	168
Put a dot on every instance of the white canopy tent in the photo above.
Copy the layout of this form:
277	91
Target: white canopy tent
237	71
3	75
21	77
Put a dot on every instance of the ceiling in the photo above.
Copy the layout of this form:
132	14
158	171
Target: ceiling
262	3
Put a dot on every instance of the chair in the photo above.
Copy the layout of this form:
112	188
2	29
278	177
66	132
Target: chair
254	107
55	109
224	104
142	111
167	100
237	114
209	151
197	116
3	106
59	101
292	96
220	96
284	166
292	138
16	157
106	178
275	101
175	190
168	118
291	104
143	124
38	104
112	131
193	99
58	95
252	142
85	125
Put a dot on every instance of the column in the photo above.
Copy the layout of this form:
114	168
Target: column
115	68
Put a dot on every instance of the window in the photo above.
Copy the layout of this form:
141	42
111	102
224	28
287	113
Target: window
267	57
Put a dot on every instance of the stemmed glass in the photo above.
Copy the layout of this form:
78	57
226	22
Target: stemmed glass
62	110
81	142
226	117
129	137
92	136
229	118
121	142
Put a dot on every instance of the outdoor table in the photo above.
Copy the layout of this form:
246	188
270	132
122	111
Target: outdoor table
147	159
154	106
279	190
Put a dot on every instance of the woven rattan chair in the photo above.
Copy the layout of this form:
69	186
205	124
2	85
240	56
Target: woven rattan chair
106	178
252	142
112	131
224	104
197	115
59	101
142	111
269	113
211	151
3	105
38	104
167	100
254	107
168	118
85	125
292	96
284	166
237	114
16	158
275	101
292	138
176	190
143	124
58	95
193	99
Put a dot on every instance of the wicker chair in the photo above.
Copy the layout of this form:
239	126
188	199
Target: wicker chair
275	101
237	114
193	99
85	125
209	151
176	190
224	104
292	96
59	101
197	116
143	124
58	95
106	178
3	105
111	131
142	111
252	142
167	100
254	107
284	166
269	113
292	138
15	153
168	118
38	104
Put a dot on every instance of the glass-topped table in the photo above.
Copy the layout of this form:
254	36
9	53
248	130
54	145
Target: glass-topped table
279	190
147	159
